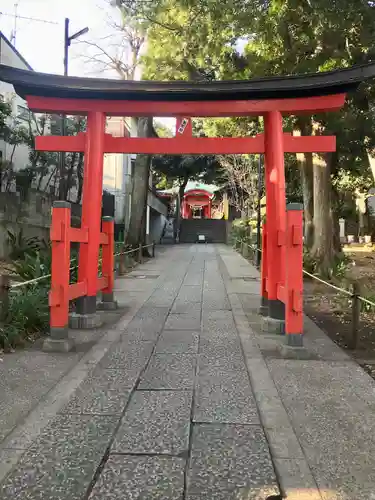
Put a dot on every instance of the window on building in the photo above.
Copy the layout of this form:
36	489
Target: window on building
23	113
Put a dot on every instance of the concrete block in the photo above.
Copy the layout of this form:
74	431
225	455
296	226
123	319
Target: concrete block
295	352
57	345
84	321
272	325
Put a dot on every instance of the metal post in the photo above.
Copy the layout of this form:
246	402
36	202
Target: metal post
4	298
259	213
63	117
356	311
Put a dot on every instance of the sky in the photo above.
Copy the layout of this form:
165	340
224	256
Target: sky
41	43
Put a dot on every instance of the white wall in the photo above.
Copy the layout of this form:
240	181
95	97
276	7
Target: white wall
117	169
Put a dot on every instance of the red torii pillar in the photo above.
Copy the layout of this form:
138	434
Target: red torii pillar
276	218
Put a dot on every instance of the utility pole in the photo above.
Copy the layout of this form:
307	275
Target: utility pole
67	42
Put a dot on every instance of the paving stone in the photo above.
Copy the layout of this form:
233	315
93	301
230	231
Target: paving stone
169	371
225	397
161	299
218	323
215	302
230	462
155	422
183	322
102	392
155	313
62	463
140	478
152	325
25	377
193	280
186	307
129	359
8	459
331	406
177	342
212	346
190	293
227	361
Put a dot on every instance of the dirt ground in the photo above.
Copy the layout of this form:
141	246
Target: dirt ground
333	313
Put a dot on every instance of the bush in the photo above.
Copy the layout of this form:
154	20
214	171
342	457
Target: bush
21	246
28	314
34	266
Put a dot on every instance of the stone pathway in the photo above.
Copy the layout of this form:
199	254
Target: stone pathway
185	399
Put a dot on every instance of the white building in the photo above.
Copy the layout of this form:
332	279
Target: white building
117	174
9	55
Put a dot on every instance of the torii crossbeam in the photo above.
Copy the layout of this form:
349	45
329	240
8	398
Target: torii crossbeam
282	283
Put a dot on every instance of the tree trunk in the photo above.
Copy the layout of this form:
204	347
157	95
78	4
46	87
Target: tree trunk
305	163
135	235
323	249
69	178
80	177
181	192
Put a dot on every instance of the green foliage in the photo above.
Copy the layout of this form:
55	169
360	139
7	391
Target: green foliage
22	246
181	169
34	266
28	315
242	229
338	270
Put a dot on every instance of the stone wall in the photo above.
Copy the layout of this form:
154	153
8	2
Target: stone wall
32	215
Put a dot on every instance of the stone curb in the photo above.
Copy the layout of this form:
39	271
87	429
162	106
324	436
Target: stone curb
292	470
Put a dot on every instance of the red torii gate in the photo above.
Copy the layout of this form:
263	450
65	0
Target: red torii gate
282	283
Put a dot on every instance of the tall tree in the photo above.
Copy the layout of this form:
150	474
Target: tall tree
119	53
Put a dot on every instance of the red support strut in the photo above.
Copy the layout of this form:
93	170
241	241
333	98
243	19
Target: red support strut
108	264
264	270
294	275
59	294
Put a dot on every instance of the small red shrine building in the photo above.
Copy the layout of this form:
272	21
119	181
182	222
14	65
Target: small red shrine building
197	204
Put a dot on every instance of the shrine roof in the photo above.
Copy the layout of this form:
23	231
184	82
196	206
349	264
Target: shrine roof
307	85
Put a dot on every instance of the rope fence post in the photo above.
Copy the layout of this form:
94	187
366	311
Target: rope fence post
4	297
356	310
121	266
153	249
140	257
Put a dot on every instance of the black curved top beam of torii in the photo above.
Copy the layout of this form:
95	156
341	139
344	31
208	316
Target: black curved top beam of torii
281	87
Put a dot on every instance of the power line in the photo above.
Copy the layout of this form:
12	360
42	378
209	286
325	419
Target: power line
35	19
